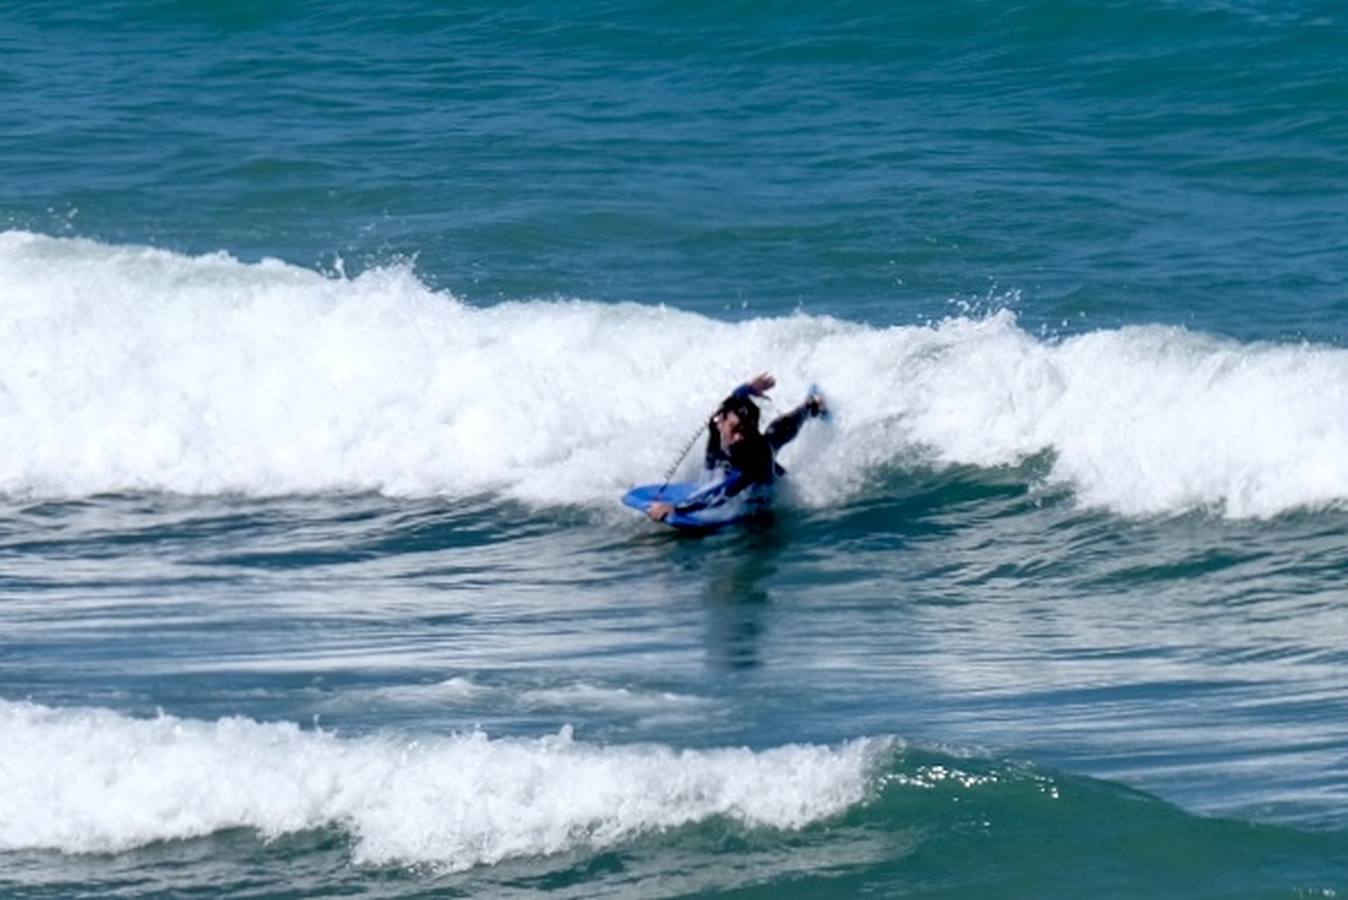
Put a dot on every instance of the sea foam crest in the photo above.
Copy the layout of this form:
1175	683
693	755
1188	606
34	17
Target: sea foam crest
128	368
91	780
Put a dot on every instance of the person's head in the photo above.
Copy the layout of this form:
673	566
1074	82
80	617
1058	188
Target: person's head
735	420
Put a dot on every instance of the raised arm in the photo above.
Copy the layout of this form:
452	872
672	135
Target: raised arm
759	385
784	428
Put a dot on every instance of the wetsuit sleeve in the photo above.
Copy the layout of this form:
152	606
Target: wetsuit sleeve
784	428
713	494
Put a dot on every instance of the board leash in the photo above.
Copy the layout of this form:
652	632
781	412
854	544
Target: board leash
669	473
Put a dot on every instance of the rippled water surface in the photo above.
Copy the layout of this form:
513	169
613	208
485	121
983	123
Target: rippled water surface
330	336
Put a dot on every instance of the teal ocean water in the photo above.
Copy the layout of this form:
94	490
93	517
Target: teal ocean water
331	334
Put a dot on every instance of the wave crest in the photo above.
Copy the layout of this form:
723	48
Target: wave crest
134	369
91	780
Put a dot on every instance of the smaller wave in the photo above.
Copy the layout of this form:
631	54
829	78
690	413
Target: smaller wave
648	706
611	699
94	781
457	691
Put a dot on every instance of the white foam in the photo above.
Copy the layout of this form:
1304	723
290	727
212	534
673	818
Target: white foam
612	699
127	368
451	691
463	691
89	780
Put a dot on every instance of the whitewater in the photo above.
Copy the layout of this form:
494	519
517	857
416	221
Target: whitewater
133	369
90	781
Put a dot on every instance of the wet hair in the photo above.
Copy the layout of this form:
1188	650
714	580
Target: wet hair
744	408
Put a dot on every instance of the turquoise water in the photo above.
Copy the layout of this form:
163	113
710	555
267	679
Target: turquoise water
332	334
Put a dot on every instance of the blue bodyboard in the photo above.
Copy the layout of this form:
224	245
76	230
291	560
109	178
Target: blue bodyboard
640	498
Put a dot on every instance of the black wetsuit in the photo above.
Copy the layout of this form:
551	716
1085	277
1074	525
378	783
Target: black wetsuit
749	464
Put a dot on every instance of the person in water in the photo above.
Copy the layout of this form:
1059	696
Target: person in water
744	456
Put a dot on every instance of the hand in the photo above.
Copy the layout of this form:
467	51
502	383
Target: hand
659	511
761	384
815	405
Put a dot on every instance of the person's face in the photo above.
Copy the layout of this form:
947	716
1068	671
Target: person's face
730	427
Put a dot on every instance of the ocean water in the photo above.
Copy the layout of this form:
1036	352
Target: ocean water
331	334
